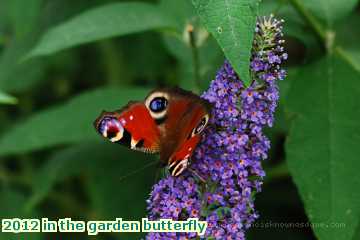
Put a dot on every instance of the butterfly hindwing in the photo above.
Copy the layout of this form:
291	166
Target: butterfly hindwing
187	116
180	160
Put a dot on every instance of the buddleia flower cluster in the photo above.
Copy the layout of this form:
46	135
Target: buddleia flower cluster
226	171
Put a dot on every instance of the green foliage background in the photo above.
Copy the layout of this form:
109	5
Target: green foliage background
62	62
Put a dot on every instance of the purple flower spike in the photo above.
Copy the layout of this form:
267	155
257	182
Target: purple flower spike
228	157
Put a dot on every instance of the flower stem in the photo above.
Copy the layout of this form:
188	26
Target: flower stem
326	36
310	19
195	55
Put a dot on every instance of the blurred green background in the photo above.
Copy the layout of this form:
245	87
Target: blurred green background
62	62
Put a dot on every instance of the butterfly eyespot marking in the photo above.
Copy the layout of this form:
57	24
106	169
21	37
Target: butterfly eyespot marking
157	104
201	126
111	128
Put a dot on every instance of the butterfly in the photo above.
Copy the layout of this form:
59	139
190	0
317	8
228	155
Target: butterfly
169	122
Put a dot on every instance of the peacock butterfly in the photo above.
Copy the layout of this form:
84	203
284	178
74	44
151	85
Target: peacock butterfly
169	121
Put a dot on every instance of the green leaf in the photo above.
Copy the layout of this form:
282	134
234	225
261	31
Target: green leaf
232	23
88	159
12	206
178	44
331	10
103	22
148	46
23	15
120	177
348	38
322	147
68	123
7	99
17	75
353	56
181	12
23	21
63	164
210	59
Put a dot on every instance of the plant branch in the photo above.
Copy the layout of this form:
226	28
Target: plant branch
310	19
347	58
326	36
195	55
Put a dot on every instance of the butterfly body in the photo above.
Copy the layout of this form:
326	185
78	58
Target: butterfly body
169	121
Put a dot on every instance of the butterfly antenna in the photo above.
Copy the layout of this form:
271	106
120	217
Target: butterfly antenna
136	171
197	174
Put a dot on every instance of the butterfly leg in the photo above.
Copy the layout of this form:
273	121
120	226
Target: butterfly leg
177	167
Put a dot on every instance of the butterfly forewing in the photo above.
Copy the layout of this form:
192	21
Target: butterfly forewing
132	126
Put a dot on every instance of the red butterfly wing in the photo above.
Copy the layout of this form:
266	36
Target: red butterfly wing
169	121
132	126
